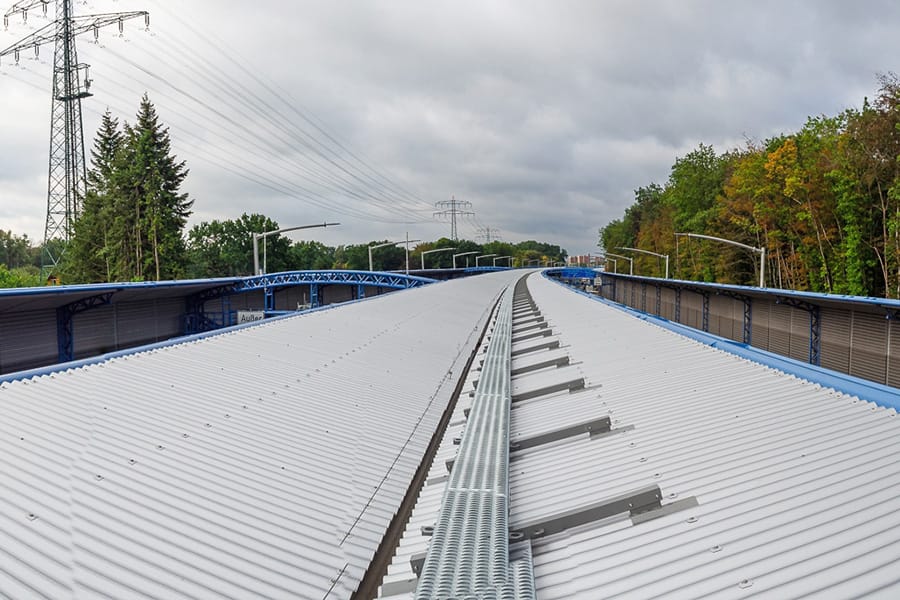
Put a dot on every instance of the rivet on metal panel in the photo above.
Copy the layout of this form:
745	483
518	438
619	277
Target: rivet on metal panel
691	520
673	495
98	477
32	516
160	447
716	548
131	461
657	475
745	583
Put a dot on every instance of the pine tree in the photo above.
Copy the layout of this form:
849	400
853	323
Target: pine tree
134	214
149	180
89	256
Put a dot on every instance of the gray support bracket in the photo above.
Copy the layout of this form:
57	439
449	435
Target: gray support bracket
532	335
545	346
595	426
636	502
530	327
561	386
559	361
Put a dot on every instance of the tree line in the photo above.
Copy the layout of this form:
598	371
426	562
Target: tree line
823	201
132	221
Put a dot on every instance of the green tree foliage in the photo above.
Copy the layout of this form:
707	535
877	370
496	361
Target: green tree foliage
823	201
225	248
133	216
15	251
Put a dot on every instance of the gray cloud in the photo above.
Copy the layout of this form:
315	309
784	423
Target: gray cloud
545	115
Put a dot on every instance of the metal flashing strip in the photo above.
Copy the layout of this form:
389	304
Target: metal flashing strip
469	551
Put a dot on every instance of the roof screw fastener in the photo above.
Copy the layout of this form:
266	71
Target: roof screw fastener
745	583
32	516
692	519
98	477
516	535
131	461
716	548
643	459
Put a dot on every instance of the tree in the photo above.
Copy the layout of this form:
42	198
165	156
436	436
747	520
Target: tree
90	255
133	217
225	248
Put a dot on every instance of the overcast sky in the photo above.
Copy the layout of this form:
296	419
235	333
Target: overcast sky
545	115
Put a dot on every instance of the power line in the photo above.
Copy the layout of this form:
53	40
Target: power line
67	178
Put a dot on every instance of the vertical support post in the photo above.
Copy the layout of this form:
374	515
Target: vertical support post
64	334
658	301
678	305
706	312
314	295
643	296
269	298
360	291
815	335
748	320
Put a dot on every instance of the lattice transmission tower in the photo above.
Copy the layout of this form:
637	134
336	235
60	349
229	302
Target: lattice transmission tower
67	179
489	234
453	208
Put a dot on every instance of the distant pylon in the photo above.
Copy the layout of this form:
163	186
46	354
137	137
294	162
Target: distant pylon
489	234
453	208
67	178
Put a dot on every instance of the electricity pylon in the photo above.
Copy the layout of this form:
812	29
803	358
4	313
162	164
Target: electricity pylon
489	234
67	179
453	208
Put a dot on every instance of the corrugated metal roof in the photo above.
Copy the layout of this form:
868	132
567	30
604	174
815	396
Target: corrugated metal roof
797	486
264	462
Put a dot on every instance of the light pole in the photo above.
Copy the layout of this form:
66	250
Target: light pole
435	250
615	264
665	256
374	246
477	258
265	234
501	258
761	251
463	254
630	261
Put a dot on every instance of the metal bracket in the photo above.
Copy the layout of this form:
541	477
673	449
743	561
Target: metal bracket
534	334
595	426
545	346
634	502
570	386
815	325
65	330
748	312
559	361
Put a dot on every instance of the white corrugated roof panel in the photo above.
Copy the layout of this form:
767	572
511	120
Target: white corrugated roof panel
263	462
798	486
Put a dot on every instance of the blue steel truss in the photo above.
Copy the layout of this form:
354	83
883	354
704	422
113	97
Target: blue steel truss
198	320
396	281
